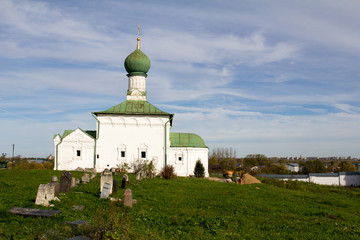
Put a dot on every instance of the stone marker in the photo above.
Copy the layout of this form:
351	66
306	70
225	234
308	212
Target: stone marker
85	178
73	182
78	207
77	222
33	212
106	177
93	175
138	176
126	177
115	186
105	191
123	183
77	181
56	184
65	182
79	238
46	193
128	202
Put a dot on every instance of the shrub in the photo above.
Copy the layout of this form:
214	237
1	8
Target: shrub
199	170
168	172
144	167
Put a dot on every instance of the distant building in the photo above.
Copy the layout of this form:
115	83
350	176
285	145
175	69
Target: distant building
292	167
130	131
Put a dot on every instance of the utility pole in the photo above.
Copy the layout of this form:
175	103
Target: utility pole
12	165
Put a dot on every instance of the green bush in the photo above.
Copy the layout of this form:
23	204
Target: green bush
199	170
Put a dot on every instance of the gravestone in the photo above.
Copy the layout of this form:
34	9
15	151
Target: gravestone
46	193
138	176
85	178
73	182
123	183
56	184
105	191
126	177
34	212
93	175
128	201
65	182
115	186
106	177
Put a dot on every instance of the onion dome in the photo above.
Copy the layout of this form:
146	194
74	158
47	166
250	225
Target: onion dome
137	63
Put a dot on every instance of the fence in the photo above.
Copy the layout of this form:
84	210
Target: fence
340	179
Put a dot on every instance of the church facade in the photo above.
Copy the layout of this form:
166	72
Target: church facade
131	131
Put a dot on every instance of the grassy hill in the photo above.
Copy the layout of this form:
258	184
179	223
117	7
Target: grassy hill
185	208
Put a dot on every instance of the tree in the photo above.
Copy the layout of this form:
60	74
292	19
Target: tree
315	166
255	160
213	160
199	170
346	166
228	164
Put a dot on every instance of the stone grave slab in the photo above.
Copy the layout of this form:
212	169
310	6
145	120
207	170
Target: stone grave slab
105	191
128	201
45	193
65	182
34	212
106	177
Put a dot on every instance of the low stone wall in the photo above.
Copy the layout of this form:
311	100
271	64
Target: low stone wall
339	179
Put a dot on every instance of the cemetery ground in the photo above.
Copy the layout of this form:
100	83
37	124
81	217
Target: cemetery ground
183	208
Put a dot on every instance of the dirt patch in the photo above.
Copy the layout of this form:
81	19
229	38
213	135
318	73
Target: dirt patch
248	179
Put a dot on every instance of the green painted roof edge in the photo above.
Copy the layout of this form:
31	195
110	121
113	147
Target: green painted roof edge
55	135
90	133
134	107
186	140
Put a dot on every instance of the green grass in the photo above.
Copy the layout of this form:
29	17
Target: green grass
188	208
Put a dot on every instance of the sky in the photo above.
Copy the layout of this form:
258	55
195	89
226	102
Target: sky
279	78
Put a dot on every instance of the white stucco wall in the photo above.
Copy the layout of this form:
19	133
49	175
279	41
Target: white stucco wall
349	180
333	180
67	158
132	134
189	156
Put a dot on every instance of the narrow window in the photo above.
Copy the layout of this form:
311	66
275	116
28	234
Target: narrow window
78	153
143	154
180	158
97	155
122	154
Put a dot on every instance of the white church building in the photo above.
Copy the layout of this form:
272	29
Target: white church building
130	131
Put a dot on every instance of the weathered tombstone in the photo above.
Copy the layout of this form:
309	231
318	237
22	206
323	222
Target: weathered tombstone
93	175
128	201
115	186
138	176
85	178
34	212
65	182
126	177
46	193
105	191
73	182
56	184
106	177
123	183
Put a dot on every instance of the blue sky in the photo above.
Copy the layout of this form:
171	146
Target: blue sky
279	78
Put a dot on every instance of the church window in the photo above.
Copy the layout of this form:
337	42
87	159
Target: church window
78	153
180	158
143	154
122	154
97	156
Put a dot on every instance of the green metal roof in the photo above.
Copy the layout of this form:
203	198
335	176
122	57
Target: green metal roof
134	107
91	133
186	140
